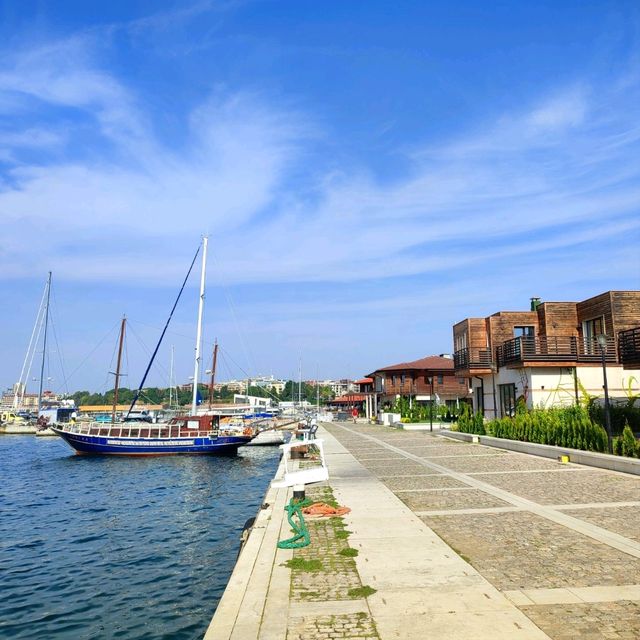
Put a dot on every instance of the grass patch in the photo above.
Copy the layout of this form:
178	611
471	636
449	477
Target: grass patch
348	552
308	566
361	592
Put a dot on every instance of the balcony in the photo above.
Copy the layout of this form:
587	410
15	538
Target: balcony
557	349
629	348
472	360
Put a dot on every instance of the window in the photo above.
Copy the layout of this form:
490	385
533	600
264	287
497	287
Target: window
591	330
461	380
402	379
524	332
440	379
461	341
478	400
507	399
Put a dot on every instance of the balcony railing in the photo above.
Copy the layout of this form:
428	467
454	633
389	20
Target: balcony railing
472	359
629	348
554	349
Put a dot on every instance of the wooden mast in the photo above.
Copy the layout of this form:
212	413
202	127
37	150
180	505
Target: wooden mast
213	372
115	392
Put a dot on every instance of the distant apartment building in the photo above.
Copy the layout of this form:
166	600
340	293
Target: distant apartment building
235	386
18	398
551	354
340	387
267	382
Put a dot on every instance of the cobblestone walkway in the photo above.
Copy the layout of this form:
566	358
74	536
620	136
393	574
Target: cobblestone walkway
324	573
515	547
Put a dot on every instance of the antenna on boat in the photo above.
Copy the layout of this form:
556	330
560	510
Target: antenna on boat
44	342
196	370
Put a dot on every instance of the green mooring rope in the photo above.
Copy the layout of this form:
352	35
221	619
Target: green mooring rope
301	537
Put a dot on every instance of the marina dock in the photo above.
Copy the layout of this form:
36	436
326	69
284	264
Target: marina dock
449	540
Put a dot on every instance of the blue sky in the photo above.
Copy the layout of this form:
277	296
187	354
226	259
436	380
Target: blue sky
369	173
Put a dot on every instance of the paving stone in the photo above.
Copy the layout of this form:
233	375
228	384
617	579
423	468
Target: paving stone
509	462
584	487
614	620
341	626
520	550
622	520
390	468
454	499
385	454
448	450
421	482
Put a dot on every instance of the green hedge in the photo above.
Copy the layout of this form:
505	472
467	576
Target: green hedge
563	427
469	422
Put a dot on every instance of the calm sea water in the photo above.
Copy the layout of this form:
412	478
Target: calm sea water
112	547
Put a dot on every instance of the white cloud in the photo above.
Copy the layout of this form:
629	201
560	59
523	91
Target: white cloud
567	160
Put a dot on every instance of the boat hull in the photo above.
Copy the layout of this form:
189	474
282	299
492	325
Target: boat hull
87	444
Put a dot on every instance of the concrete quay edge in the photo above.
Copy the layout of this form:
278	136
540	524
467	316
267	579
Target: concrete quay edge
587	458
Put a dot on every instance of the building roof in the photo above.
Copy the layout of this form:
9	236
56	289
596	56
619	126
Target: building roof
429	362
364	381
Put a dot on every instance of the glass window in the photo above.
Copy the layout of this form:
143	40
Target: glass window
524	332
507	399
478	400
592	329
440	379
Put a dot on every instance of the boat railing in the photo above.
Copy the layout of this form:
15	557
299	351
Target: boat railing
137	430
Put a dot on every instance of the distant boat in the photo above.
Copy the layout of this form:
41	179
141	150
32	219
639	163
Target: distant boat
270	437
188	434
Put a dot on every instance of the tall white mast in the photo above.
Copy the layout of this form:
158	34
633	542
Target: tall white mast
44	343
18	396
196	371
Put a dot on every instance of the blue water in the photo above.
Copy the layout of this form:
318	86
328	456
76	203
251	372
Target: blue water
112	547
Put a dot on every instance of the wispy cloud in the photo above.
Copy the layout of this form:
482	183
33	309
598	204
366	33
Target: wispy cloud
541	179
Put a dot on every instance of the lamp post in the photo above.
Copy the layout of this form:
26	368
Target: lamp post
602	341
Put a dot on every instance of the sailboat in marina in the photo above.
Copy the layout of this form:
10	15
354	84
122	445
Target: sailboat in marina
21	418
186	434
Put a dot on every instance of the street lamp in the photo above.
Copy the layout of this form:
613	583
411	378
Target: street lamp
602	341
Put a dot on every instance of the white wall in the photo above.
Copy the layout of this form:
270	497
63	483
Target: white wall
554	386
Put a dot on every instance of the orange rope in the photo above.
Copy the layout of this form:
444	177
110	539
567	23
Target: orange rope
324	509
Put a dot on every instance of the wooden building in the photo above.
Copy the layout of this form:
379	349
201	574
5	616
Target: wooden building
551	354
429	379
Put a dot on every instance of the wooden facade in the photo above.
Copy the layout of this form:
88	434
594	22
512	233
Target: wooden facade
413	379
560	334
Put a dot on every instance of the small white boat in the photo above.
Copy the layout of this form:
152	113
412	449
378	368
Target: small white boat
270	437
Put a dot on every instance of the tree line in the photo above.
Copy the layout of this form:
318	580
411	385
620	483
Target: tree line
160	395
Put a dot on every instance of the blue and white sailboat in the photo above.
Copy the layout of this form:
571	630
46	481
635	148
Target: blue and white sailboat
188	434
